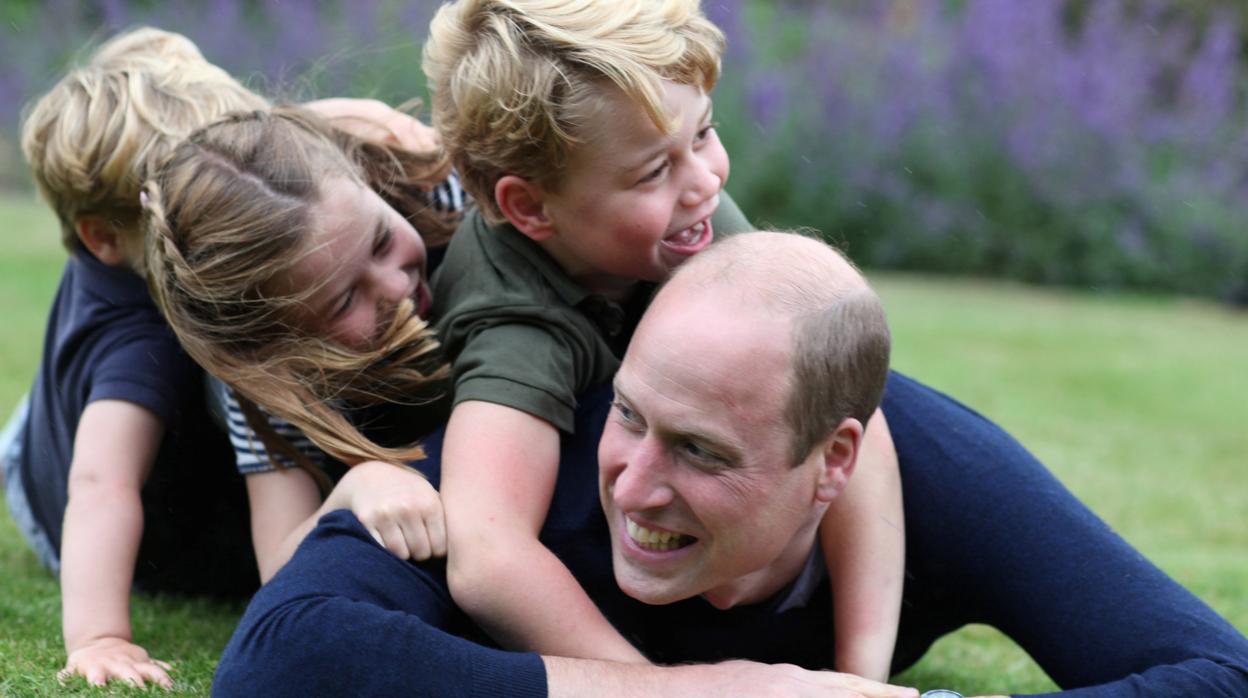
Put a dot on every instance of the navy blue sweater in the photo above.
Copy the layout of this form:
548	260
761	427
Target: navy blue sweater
992	538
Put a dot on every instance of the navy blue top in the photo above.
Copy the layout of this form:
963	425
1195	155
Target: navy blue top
106	340
991	537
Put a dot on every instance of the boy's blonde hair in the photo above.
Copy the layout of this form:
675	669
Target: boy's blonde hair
514	82
92	139
227	217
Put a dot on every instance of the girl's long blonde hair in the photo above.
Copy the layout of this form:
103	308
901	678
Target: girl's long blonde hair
227	217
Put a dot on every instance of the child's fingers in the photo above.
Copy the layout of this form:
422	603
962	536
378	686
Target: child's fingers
152	671
435	524
123	669
97	676
98	670
417	538
394	540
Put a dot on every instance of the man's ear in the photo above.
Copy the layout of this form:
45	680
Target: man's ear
100	237
521	202
838	455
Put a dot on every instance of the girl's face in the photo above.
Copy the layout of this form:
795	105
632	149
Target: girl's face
364	259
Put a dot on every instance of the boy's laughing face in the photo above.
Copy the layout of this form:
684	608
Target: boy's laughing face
634	202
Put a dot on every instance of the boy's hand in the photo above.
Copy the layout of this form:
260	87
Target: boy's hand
107	658
398	506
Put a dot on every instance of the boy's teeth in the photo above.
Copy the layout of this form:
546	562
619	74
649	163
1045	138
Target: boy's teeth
656	540
689	235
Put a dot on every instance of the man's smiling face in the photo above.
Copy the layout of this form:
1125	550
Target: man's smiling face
695	474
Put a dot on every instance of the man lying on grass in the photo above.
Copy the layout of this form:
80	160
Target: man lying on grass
706	550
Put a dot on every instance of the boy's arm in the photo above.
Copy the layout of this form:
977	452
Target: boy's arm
114	449
499	467
864	543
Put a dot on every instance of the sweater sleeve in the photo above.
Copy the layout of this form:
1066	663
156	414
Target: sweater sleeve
345	617
993	537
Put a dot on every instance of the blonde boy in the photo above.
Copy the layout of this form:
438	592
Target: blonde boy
119	463
583	130
118	474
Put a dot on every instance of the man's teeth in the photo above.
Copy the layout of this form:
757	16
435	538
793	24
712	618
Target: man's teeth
689	235
656	540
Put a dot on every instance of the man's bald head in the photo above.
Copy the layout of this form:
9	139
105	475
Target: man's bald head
840	336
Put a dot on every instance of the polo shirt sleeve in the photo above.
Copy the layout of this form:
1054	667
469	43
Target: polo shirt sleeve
536	364
150	371
728	218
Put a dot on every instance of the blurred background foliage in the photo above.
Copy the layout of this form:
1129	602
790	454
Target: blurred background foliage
1092	143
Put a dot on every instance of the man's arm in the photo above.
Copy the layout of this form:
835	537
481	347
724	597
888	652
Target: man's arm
344	616
114	449
994	538
582	677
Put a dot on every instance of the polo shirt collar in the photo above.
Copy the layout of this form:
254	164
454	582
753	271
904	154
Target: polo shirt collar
569	291
607	314
118	286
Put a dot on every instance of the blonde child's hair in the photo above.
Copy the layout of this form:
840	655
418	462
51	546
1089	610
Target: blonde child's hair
514	82
227	217
92	139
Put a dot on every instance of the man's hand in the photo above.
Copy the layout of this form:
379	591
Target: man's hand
398	506
788	680
106	658
575	677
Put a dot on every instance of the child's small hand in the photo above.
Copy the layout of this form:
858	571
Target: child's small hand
398	506
376	120
107	658
410	133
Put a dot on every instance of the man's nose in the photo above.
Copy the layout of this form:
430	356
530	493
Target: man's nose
643	482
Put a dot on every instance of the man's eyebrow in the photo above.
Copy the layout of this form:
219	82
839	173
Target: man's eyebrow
723	444
617	394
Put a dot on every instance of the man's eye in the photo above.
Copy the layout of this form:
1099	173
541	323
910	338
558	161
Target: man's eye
702	456
626	413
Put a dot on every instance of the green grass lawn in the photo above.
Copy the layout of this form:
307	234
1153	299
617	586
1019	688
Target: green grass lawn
1136	403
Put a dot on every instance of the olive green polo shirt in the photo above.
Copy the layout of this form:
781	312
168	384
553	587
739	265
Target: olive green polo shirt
519	332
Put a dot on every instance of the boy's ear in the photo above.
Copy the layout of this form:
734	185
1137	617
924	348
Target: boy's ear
521	201
100	237
837	457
